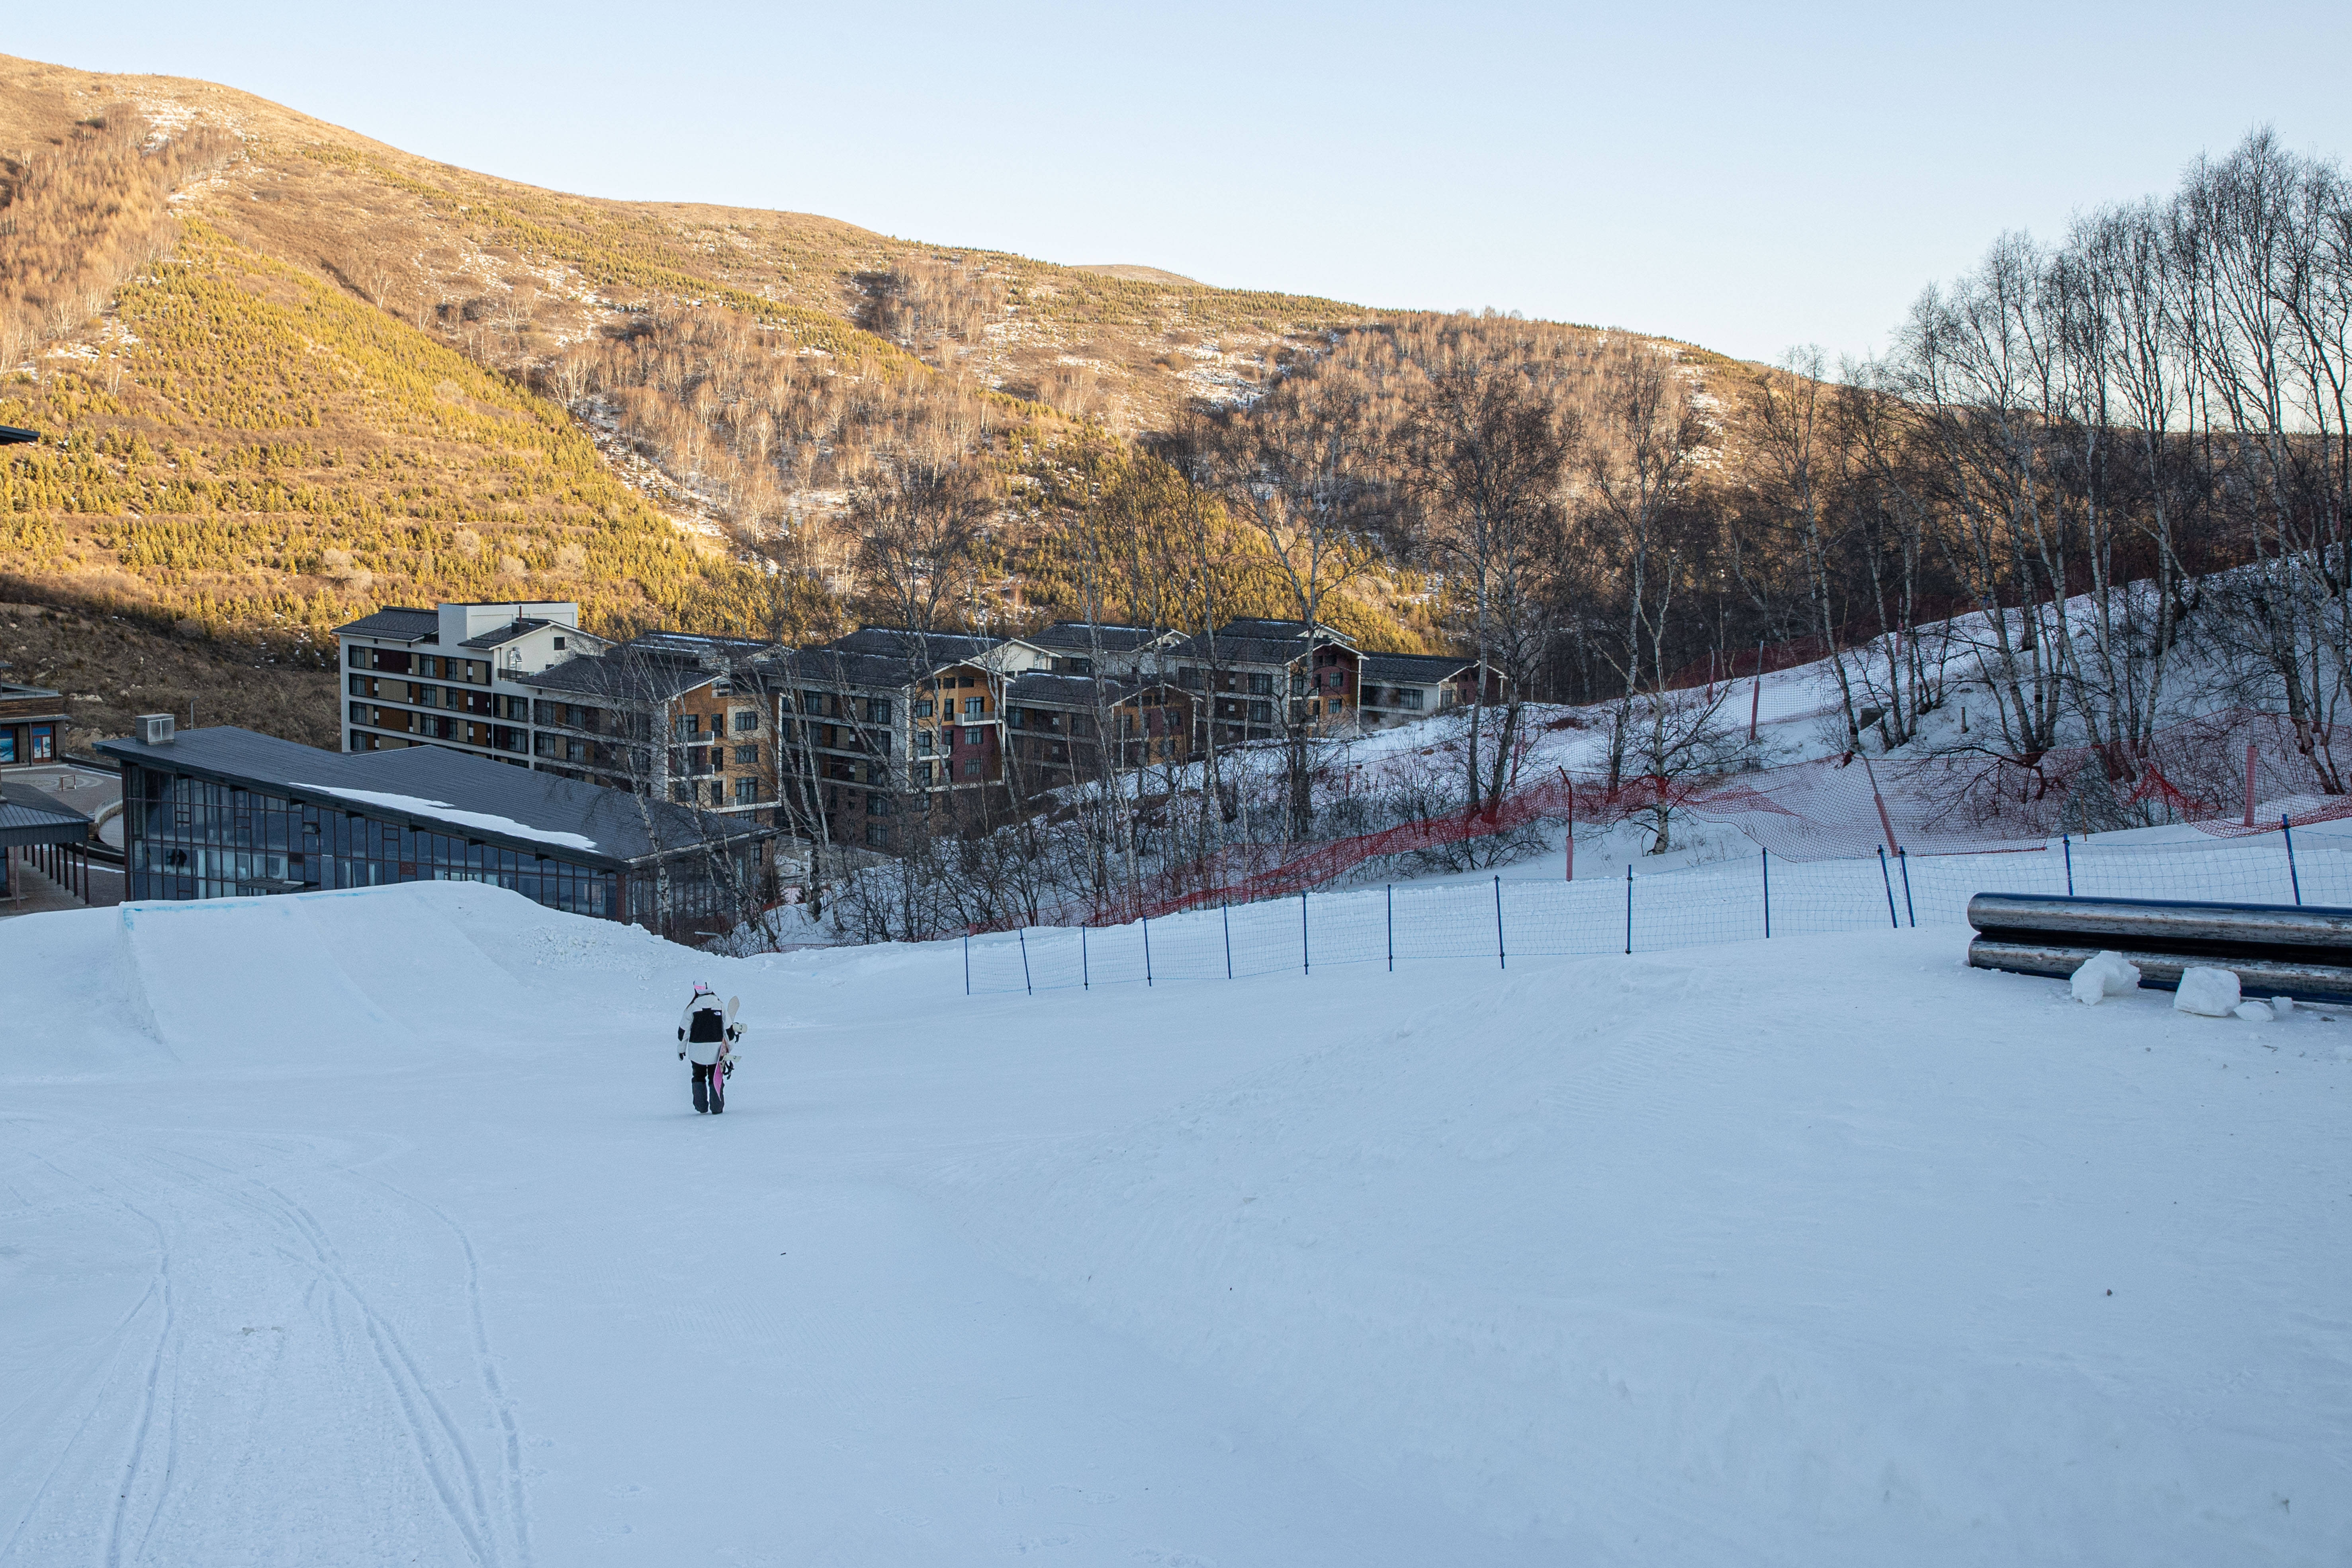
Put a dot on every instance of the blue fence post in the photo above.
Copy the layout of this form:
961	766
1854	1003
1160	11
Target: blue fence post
1502	959
1147	949
2067	844
1086	975
1306	955
1903	858
2286	829
1391	912
1225	913
1024	937
1883	876
1629	910
967	963
1768	895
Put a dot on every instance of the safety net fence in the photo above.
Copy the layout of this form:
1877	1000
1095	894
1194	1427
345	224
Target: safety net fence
1747	898
2233	785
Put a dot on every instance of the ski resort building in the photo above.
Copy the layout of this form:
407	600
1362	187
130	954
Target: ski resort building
1398	688
1257	676
1056	727
452	675
223	812
32	724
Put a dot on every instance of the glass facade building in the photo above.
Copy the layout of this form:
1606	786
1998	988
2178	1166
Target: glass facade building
194	839
226	812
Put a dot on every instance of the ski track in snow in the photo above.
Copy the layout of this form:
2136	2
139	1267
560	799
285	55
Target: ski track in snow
1824	1252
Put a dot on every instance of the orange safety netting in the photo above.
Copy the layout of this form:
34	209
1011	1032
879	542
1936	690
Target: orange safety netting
1969	801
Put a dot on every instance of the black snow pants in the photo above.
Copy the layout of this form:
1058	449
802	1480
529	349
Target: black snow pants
709	1089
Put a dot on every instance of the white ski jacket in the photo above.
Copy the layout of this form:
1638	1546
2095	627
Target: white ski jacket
702	1029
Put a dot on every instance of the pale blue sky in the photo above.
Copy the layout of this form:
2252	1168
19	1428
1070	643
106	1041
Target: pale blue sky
1741	178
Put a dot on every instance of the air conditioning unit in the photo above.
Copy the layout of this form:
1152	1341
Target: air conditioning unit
155	729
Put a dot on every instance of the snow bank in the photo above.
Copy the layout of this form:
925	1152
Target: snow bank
377	1227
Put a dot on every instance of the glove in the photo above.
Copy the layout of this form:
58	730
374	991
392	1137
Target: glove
681	1031
734	1031
681	1055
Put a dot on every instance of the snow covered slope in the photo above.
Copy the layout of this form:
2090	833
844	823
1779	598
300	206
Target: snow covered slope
376	1228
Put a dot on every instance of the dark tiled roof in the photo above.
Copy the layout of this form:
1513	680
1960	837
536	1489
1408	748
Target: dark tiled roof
29	816
1079	637
10	689
693	645
442	787
506	634
401	623
1411	668
1040	690
933	650
1262	627
1233	650
623	674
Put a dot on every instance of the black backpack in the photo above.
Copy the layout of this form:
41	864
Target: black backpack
707	1027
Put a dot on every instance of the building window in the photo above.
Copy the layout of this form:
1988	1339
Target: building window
877	805
971	767
746	791
923	742
1261	685
1409	697
877	834
559	644
746	756
685	725
974	737
1261	713
681	791
922	773
923	710
877	710
1189	675
746	718
971	705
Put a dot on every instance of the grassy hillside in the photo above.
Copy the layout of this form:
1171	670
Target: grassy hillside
289	374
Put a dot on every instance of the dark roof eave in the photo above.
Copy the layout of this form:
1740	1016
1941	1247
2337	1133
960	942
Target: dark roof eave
327	800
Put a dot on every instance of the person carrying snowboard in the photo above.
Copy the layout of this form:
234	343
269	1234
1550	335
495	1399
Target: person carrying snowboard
704	1033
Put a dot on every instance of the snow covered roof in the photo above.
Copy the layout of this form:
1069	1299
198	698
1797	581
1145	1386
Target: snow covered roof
511	806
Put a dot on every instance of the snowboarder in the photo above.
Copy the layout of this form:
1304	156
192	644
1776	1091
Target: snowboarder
705	1032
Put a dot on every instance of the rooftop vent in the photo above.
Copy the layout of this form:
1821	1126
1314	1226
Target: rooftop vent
155	729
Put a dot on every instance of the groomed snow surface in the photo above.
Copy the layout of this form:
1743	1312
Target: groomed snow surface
376	1228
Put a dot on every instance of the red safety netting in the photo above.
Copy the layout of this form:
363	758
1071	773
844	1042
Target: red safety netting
2193	773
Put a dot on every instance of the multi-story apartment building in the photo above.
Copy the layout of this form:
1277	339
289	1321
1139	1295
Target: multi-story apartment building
1089	648
1064	730
452	675
1256	677
686	718
886	721
1397	688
